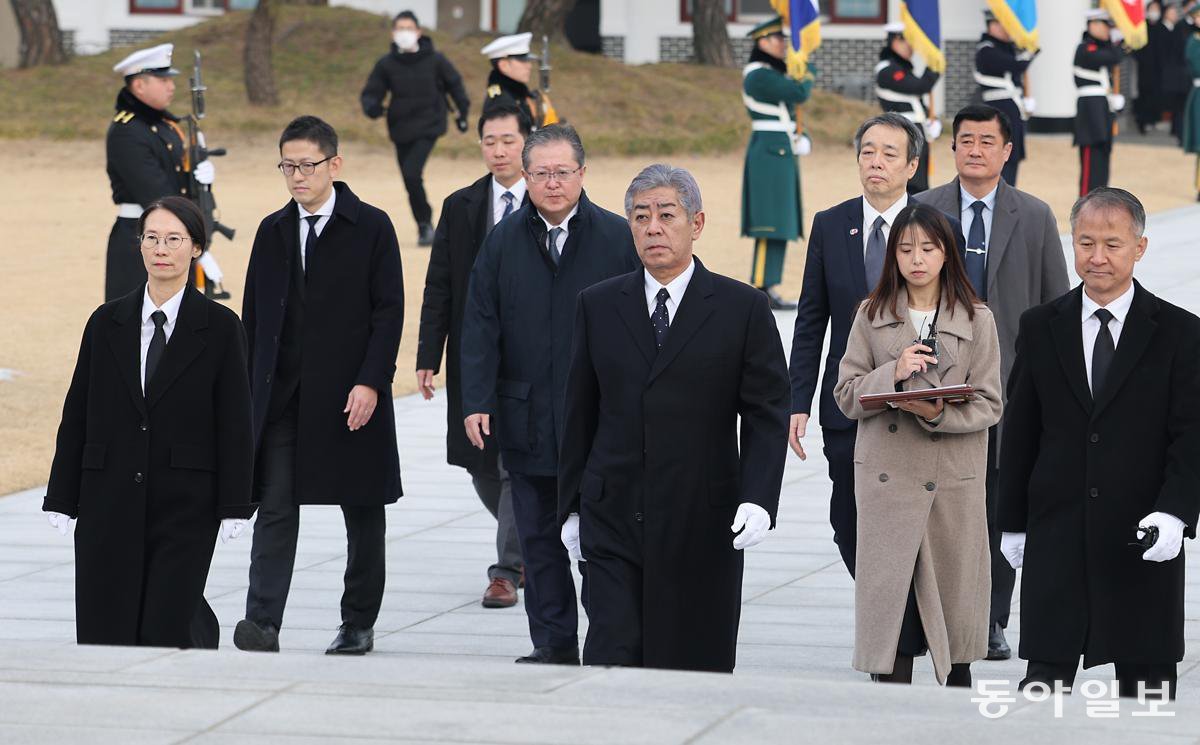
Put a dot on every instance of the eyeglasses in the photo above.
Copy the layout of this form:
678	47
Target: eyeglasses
174	241
538	177
305	168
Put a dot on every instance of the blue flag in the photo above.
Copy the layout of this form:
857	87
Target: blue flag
923	30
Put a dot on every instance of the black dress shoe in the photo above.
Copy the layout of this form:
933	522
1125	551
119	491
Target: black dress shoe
776	302
424	234
997	645
351	640
249	636
552	656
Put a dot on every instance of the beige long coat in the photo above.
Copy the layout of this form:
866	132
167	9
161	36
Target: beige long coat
920	489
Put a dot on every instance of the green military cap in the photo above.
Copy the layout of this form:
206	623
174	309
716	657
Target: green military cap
769	27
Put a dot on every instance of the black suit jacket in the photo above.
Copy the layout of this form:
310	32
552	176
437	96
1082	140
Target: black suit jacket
653	459
465	221
519	319
168	464
1078	472
353	313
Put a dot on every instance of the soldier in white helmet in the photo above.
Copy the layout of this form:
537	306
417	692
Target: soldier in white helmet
512	72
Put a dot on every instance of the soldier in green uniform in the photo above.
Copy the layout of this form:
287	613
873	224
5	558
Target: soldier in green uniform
1191	112
771	210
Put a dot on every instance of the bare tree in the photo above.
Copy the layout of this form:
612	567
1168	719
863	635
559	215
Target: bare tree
710	33
545	17
41	39
260	75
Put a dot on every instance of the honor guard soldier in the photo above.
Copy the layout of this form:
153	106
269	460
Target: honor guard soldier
771	210
1096	105
1000	72
512	71
900	90
147	159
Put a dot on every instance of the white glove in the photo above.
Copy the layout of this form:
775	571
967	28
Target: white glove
200	139
211	268
1012	545
1030	104
1116	102
204	172
933	129
570	537
803	145
231	528
1026	54
1115	36
1170	536
60	521
753	522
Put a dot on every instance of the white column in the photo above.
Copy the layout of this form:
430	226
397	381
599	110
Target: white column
1060	25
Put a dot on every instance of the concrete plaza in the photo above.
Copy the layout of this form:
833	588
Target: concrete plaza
443	672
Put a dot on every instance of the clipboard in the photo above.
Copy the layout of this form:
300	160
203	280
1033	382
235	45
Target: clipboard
951	394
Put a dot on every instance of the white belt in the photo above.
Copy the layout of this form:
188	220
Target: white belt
1001	89
761	125
131	211
1096	76
1196	82
917	112
1086	91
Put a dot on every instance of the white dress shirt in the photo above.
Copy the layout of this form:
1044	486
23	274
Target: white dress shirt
967	217
171	308
325	211
562	237
518	192
1091	325
889	217
675	288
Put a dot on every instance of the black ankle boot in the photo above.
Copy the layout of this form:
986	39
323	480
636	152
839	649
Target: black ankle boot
901	671
960	675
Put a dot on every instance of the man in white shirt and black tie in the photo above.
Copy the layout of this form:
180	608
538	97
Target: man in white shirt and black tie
659	488
1100	464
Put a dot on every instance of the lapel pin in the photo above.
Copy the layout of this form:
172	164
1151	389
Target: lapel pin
853	231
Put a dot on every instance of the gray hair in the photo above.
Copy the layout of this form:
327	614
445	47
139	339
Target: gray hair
666	176
1106	198
914	133
553	133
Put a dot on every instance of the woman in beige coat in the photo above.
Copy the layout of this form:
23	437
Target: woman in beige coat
924	568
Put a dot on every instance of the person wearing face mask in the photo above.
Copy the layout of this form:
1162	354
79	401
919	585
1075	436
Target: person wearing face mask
923	559
416	79
509	80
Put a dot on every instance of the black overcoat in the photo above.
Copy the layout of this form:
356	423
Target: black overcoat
465	220
353	314
1076	476
654	462
150	477
520	315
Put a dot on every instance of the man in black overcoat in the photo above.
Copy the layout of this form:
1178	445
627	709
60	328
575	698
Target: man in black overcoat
323	310
1101	441
467	216
654	471
516	346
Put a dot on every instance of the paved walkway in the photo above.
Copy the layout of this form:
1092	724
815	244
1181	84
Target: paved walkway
443	672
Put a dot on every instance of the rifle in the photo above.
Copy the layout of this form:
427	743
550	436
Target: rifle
198	151
543	81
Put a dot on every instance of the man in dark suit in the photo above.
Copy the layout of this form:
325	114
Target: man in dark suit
467	216
845	258
1014	259
323	310
516	345
1101	442
649	482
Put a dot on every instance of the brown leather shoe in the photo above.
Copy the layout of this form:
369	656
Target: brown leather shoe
500	593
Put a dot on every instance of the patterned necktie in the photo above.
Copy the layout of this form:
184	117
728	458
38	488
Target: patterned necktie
158	343
1102	352
660	319
876	246
976	256
508	203
552	244
310	240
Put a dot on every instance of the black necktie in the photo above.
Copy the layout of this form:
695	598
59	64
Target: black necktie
876	247
158	343
976	258
660	319
508	203
310	240
552	244
1102	352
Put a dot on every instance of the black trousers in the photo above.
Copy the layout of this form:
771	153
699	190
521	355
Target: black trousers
273	552
843	513
1009	171
411	157
494	488
549	587
1004	577
920	180
124	270
1153	676
1093	166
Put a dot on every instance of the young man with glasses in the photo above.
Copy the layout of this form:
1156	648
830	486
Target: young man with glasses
323	311
516	345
